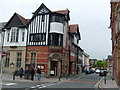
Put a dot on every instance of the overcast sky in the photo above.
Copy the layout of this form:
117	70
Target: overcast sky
93	17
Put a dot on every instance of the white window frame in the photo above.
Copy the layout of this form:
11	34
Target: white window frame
23	36
19	59
8	36
14	34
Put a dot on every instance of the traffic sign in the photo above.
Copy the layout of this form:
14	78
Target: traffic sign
3	54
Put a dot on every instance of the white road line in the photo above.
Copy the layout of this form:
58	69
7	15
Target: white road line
45	85
8	84
33	87
40	87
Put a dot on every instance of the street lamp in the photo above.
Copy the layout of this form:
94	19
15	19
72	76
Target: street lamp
1	51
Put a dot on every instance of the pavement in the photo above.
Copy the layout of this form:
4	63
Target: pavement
6	76
107	83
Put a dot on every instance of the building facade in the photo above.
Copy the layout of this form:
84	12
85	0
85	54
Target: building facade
74	37
80	60
46	40
86	61
15	36
115	33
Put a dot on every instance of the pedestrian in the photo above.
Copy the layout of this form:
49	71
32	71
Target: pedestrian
39	72
15	73
27	73
21	72
32	72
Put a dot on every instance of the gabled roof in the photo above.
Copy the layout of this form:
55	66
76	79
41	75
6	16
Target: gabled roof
42	9
62	11
16	21
79	48
2	24
65	12
74	28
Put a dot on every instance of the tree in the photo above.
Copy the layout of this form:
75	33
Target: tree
101	64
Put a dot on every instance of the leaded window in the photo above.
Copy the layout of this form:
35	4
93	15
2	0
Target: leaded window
37	37
57	18
23	36
56	39
19	59
33	58
7	61
8	35
14	34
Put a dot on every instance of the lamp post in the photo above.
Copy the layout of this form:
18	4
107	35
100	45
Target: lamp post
1	51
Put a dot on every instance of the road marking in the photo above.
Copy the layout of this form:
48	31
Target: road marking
40	87
45	85
8	84
33	87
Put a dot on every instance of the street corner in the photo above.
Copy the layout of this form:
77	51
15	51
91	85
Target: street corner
97	85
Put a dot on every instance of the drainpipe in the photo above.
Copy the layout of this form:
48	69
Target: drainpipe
69	48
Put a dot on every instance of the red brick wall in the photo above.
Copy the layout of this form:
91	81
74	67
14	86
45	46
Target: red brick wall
114	31
42	55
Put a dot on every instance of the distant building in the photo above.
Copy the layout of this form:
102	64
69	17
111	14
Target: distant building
92	62
80	60
85	60
110	63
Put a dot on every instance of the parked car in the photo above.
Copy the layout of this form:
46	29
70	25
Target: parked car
91	70
87	71
97	71
103	73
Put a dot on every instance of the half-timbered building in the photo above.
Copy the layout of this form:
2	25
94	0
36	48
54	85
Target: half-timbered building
47	44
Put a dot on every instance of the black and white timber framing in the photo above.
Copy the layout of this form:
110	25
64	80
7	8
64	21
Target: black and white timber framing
40	25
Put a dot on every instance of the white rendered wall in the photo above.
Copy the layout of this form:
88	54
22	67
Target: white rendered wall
20	42
56	27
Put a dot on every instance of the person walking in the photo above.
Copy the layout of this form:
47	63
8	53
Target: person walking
32	72
21	72
15	73
39	72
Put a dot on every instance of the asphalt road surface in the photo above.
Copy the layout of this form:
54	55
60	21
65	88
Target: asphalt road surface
86	81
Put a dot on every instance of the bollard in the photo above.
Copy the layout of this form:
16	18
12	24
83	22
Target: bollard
105	80
59	78
14	76
66	77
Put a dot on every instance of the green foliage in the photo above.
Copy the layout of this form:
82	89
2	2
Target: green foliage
100	64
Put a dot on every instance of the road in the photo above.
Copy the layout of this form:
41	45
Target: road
87	81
